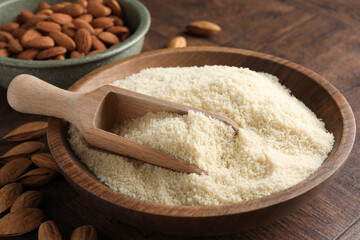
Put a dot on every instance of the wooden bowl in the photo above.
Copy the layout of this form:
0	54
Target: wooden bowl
318	94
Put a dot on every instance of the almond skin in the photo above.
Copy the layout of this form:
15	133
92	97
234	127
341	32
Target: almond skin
3	44
36	177
69	29
18	33
28	54
87	232
114	6
42	6
15	46
8	194
60	57
118	30
30	34
86	17
13	170
51	52
108	37
44	160
9	27
96	44
76	54
118	21
34	20
82	24
5	36
20	222
102	22
177	42
49	231
203	28
27	131
73	10
41	42
63	40
98	10
61	18
24	16
22	150
83	40
29	199
48	26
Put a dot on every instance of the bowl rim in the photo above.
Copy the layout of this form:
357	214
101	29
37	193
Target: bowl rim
145	21
112	197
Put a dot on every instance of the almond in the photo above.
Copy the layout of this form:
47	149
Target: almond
76	54
36	177
15	46
57	7
18	33
42	6
40	42
28	54
27	131
20	222
98	10
60	57
94	52
49	231
47	26
23	150
51	52
86	232
46	12
29	199
61	18
102	22
4	52
63	40
86	17
83	3
73	10
98	30
13	170
5	36
115	7
8	194
30	34
118	21
108	37
3	44
82	24
9	27
177	42
69	29
44	160
34	20
118	30
203	28
83	40
24	16
96	44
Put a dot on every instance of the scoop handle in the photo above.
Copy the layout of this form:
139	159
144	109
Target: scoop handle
29	94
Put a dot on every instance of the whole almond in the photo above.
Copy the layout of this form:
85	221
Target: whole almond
49	231
108	37
13	170
46	12
177	42
125	36
51	52
15	46
9	27
33	21
4	52
5	36
73	10
86	232
20	222
82	24
36	177
3	44
28	35
28	54
8	194
48	26
203	28
115	7
61	18
18	33
118	30
83	40
42	6
98	10
29	199
41	42
83	3
118	21
57	7
25	15
69	29
76	54
86	17
63	40
27	131
44	160
102	22
96	44
60	57
22	150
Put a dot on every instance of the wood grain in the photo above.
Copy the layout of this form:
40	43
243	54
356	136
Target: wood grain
321	35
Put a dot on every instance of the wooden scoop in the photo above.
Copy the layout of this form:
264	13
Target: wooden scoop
95	112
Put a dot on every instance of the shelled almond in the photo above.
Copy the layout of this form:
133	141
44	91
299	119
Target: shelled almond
45	34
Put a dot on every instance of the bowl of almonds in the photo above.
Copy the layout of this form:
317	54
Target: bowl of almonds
62	41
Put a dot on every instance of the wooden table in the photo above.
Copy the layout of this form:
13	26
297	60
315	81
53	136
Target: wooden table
321	35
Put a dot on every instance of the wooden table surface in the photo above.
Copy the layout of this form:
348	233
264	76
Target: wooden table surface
321	35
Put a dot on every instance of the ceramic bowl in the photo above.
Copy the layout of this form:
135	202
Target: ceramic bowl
317	93
63	73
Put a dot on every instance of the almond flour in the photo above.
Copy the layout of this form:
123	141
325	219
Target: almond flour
279	144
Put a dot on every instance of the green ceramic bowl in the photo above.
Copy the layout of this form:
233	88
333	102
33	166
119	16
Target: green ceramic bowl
63	73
